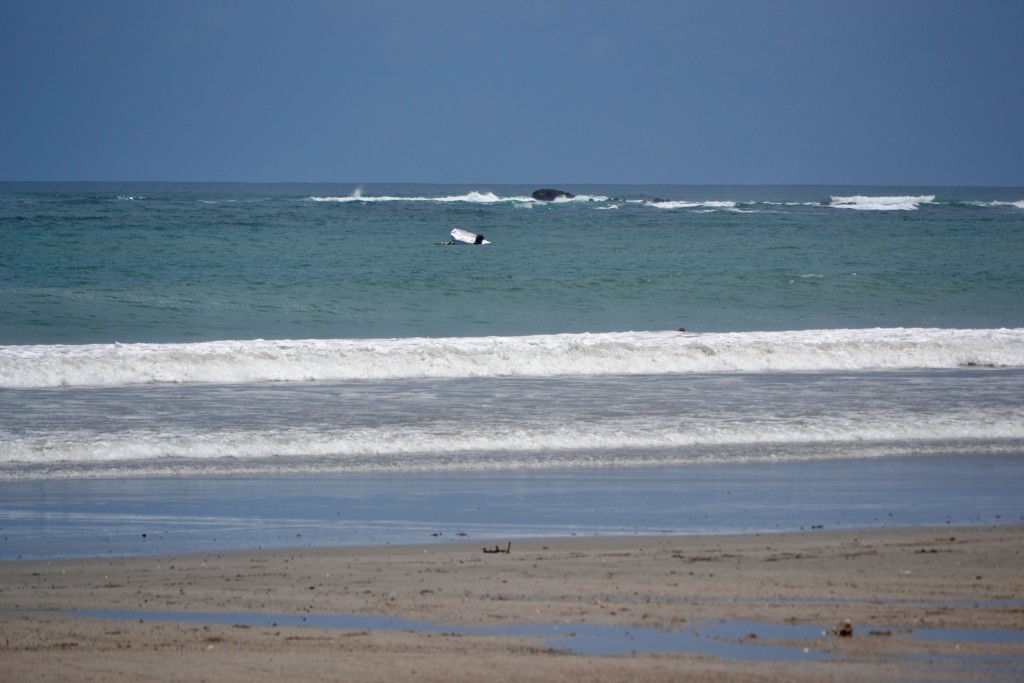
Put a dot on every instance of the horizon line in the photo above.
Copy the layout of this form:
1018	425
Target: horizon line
501	184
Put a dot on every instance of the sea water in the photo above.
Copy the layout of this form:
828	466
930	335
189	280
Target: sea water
184	330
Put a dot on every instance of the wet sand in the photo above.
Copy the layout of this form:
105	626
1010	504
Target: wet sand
924	603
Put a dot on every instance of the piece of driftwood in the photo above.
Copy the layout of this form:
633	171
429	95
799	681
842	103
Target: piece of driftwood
498	549
843	630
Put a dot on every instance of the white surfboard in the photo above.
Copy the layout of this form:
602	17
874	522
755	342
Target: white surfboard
468	237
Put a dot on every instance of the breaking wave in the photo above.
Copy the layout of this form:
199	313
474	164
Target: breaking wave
853	202
625	353
470	198
862	203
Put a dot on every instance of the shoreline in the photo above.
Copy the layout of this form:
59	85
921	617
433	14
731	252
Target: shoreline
174	515
928	602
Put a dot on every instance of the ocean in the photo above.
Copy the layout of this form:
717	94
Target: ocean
331	339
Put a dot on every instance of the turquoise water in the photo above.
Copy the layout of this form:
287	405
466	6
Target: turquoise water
95	263
322	338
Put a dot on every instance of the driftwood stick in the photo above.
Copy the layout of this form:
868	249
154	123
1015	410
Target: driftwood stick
497	549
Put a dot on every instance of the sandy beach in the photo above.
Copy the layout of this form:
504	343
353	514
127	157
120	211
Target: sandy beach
934	603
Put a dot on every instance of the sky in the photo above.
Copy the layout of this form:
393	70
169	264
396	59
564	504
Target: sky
545	92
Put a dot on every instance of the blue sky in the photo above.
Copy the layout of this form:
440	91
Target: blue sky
894	92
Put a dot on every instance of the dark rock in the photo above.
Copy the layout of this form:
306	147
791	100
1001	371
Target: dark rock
549	195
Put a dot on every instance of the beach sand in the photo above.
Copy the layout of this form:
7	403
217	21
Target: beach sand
894	586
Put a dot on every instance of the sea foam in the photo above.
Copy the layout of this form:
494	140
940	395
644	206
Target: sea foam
625	353
486	446
863	203
473	197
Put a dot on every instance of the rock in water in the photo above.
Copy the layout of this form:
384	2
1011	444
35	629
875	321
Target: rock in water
549	195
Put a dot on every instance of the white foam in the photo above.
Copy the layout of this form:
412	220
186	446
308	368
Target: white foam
491	447
473	197
854	202
706	205
626	353
863	203
578	198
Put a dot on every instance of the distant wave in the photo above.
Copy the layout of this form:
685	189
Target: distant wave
470	198
739	205
1019	205
602	201
692	205
862	203
627	353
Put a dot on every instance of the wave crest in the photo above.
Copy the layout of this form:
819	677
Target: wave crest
863	203
473	197
625	353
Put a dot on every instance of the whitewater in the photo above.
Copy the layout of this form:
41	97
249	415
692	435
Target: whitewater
191	330
203	366
631	353
507	423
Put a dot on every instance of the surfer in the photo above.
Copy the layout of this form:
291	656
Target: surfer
468	237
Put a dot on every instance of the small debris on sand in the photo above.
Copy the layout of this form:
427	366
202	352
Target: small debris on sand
843	630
